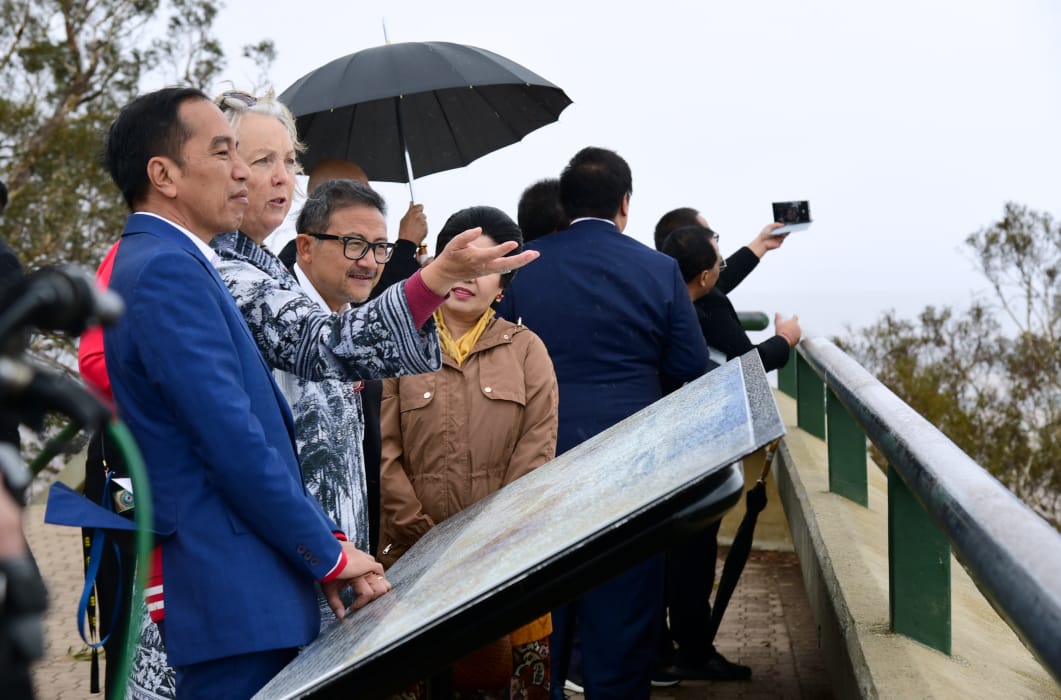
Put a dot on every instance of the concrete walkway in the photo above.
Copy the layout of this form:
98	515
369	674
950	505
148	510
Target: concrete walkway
768	626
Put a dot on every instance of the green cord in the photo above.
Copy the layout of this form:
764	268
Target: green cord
123	439
53	447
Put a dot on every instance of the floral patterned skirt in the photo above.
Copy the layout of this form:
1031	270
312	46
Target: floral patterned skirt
530	678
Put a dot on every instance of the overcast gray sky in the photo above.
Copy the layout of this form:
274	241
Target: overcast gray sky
906	124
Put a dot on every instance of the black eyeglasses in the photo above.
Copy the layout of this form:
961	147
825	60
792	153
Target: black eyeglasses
712	236
235	100
357	248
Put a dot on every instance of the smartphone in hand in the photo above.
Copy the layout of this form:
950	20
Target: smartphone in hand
794	215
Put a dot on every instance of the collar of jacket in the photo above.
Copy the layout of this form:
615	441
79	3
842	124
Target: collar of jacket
495	334
236	245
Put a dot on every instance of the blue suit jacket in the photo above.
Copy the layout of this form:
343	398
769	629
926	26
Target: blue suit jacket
242	541
614	315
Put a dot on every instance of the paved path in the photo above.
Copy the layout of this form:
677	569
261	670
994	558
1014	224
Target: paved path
767	626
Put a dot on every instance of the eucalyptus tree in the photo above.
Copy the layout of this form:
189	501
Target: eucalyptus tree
989	376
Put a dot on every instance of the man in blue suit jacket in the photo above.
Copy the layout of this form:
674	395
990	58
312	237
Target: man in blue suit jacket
615	316
241	541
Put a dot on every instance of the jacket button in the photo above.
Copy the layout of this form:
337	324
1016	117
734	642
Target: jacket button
314	561
487	389
427	394
301	549
505	336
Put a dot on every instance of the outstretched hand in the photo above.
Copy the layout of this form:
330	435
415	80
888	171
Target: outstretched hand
767	240
461	260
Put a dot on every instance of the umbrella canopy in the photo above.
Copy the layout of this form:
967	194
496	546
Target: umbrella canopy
444	104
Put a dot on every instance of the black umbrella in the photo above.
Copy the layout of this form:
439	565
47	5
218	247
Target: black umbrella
755	501
444	105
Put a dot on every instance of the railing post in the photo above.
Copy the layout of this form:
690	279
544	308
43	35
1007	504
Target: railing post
847	452
918	570
810	399
786	376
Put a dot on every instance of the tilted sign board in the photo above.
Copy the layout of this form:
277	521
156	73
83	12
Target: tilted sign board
614	500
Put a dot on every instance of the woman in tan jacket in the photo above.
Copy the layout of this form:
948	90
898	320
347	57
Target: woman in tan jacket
488	417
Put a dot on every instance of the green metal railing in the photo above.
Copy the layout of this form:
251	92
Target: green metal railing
753	320
938	498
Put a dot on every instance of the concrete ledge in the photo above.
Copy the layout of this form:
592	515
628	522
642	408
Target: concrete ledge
843	552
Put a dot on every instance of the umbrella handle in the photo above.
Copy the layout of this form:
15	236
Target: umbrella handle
409	173
768	459
405	149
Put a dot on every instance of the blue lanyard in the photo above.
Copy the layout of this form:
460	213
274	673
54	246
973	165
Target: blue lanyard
94	555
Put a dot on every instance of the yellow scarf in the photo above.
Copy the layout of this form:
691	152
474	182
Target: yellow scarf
461	348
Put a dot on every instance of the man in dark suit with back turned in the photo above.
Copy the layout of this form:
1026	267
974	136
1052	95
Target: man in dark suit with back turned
241	541
615	315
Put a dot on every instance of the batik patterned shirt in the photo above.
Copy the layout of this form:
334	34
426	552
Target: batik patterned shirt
319	357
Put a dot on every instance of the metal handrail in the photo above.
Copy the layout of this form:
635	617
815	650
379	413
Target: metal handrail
1012	554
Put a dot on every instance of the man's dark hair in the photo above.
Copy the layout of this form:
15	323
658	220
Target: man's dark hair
329	197
147	127
691	247
494	222
674	219
540	212
594	184
3	196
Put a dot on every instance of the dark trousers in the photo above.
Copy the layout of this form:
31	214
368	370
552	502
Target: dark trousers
690	582
618	624
371	397
114	581
233	677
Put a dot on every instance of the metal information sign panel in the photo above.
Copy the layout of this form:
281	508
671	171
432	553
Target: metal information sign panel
614	500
